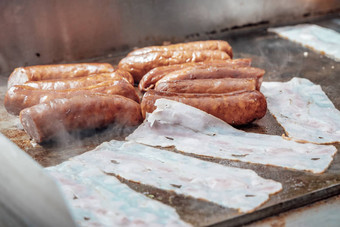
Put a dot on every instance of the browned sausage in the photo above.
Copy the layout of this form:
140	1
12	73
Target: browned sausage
19	97
47	72
213	72
47	120
138	65
237	108
79	82
149	79
197	45
211	86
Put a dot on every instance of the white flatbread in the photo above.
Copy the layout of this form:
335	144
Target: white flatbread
193	131
303	110
318	38
98	199
230	187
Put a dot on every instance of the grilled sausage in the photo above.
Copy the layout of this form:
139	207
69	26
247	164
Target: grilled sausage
236	108
213	72
19	97
149	79
79	82
198	45
211	86
47	72
138	65
47	120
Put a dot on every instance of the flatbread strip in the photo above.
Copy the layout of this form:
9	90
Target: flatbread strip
98	199
323	40
303	110
193	131
226	186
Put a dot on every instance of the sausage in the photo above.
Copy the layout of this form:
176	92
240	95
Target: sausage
50	119
128	77
235	108
149	79
211	86
79	82
62	71
138	65
19	97
212	72
197	45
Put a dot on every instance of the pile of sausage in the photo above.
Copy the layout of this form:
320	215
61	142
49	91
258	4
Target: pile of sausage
201	74
52	99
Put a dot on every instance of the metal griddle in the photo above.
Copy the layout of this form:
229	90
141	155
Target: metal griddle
282	60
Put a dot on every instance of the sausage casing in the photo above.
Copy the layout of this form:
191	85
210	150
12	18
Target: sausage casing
62	71
211	86
149	79
237	108
79	82
138	65
197	45
213	72
19	97
46	120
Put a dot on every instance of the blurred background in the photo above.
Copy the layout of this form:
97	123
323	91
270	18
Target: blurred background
58	31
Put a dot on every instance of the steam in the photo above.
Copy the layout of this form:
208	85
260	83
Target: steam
85	137
66	145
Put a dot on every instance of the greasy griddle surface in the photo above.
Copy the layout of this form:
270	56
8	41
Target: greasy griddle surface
282	60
